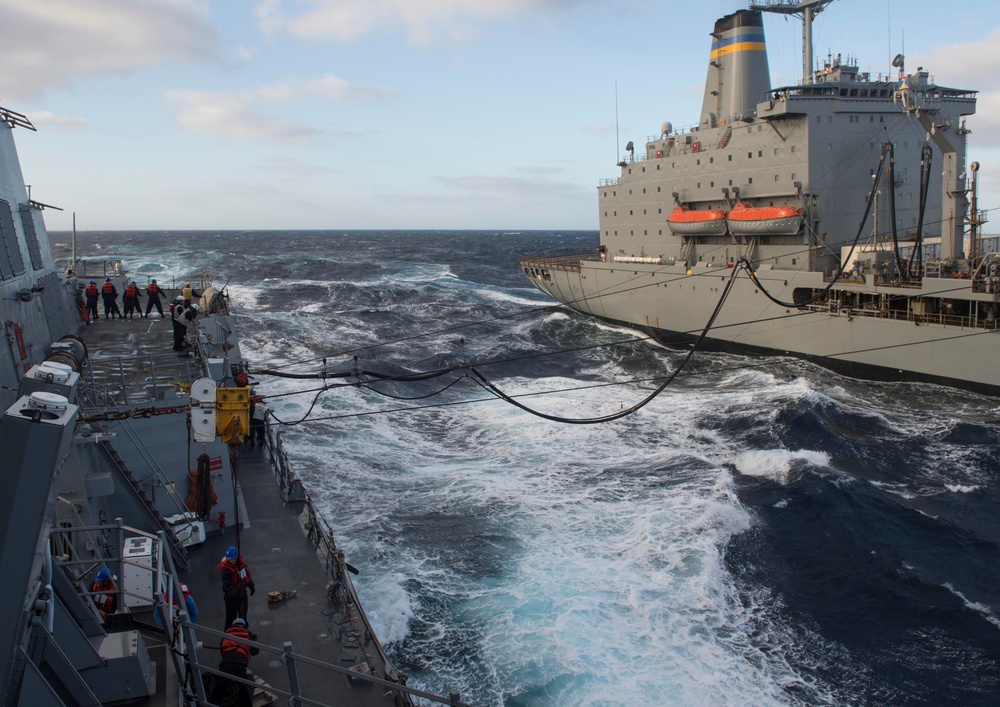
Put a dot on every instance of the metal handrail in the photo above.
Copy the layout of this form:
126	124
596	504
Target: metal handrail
290	658
320	533
155	470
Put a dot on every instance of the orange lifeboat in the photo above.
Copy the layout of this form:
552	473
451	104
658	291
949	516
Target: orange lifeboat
746	220
689	222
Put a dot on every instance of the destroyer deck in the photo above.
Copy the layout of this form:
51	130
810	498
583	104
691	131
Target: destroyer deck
131	361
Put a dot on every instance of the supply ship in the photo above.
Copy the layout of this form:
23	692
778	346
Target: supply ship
835	220
127	458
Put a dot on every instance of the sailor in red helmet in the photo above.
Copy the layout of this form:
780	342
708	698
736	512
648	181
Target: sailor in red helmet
106	592
236	579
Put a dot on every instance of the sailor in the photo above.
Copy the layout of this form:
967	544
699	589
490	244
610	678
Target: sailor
258	419
189	604
92	292
187	293
180	317
154	293
176	314
131	299
110	294
106	596
235	661
236	579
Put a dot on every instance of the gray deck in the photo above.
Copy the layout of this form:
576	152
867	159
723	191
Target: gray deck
281	558
126	355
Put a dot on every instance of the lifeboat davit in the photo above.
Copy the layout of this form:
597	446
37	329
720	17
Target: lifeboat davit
687	222
746	220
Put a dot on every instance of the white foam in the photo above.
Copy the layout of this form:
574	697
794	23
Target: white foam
959	488
777	464
985	611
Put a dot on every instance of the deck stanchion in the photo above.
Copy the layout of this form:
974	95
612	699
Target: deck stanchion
288	658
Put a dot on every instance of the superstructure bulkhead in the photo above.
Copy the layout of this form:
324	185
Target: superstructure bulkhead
839	206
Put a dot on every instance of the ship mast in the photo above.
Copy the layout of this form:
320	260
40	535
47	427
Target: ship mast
806	10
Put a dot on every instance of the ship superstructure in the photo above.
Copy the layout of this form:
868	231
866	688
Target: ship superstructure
842	201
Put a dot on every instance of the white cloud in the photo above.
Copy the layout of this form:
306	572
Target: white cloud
338	89
975	66
234	115
48	119
49	43
239	114
423	20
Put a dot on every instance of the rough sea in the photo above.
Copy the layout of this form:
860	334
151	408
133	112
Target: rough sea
765	532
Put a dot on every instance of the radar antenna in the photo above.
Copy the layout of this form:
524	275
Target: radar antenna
806	10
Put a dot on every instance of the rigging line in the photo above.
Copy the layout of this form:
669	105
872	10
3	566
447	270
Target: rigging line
722	369
304	417
636	339
485	382
840	271
418	397
913	343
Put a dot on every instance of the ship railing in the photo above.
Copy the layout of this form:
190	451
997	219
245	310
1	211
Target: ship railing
321	535
564	258
113	268
837	308
165	582
109	386
108	552
184	637
156	477
293	694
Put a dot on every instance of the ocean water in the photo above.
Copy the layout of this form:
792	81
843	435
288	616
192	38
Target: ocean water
765	532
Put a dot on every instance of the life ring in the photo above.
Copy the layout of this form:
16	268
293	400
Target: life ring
695	146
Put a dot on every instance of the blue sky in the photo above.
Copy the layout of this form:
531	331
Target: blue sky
409	114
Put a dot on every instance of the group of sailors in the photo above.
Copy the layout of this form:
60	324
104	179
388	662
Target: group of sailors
108	293
183	309
237	588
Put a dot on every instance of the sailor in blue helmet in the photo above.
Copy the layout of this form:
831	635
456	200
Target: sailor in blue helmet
110	294
236	580
105	594
155	293
92	293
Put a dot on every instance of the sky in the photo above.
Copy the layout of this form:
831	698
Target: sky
404	114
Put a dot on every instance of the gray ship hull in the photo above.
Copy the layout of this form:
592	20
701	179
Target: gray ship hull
674	306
